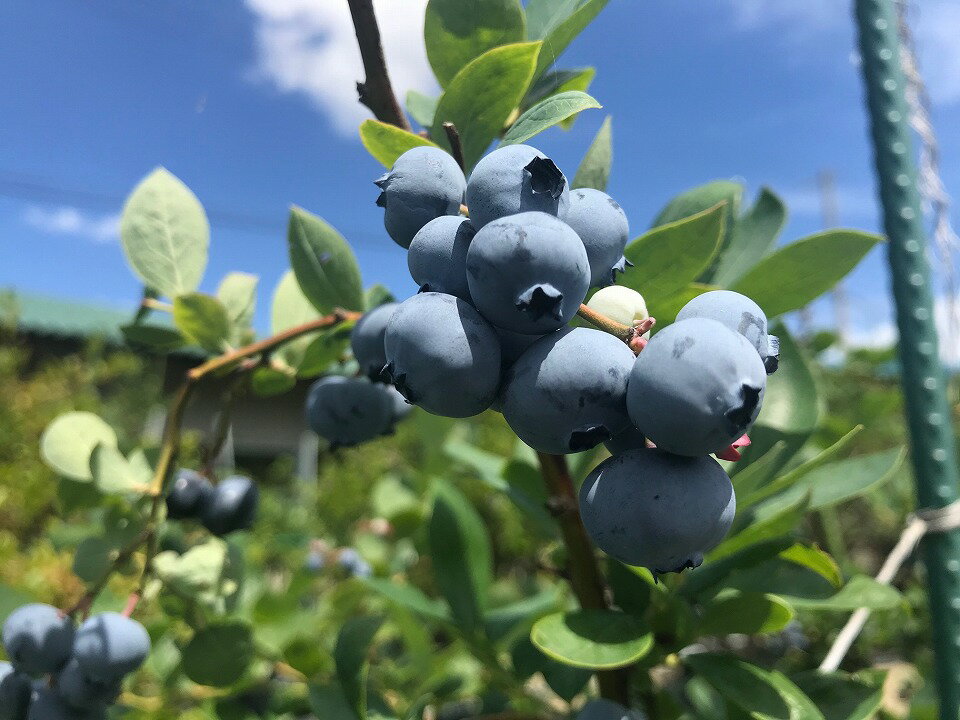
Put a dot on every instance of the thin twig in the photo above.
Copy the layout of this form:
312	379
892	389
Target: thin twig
586	580
120	558
154	304
456	146
602	322
376	91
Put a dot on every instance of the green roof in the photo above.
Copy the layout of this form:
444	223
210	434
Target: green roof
44	315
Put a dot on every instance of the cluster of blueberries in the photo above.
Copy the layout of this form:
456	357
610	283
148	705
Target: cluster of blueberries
347	411
223	508
490	328
59	672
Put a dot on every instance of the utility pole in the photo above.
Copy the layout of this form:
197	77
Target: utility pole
830	215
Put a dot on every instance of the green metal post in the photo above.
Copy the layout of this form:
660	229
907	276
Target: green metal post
924	380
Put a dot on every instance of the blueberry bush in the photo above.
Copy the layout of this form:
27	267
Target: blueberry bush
620	528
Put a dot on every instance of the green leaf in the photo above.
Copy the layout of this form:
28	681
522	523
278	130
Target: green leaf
669	257
324	264
548	113
696	200
507	619
68	442
790	406
461	555
592	639
219	654
421	107
754	234
92	559
330	703
291	308
482	95
564	680
747	613
748	495
350	655
324	350
559	24
410	597
199	571
708	575
112	473
837	482
860	591
268	381
10	599
802	271
765	695
456	32
377	295
165	234
558	81
813	558
594	170
387	142
238	294
203	320
840	696
760	529
153	337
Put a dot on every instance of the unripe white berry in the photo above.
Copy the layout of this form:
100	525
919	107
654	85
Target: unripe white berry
620	303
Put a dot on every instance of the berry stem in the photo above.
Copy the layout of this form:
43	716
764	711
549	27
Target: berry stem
456	146
376	91
86	600
608	325
585	577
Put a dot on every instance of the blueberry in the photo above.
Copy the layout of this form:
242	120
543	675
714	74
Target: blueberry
366	339
348	411
38	638
528	273
233	506
513	345
514	179
424	183
567	392
657	510
740	314
315	562
80	692
45	704
399	407
443	356
602	226
601	709
627	439
696	387
14	693
438	256
190	492
110	645
620	303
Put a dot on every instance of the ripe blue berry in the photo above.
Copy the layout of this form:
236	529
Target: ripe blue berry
190	492
348	411
601	709
38	638
109	646
515	179
442	355
513	345
602	226
399	407
366	340
437	257
657	510
14	693
233	506
45	704
528	273
80	692
424	183
740	314
696	387
567	392
627	439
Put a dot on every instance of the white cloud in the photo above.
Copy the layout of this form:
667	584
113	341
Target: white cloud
68	220
309	47
935	23
946	316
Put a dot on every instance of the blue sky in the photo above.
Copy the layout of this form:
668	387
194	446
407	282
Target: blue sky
252	105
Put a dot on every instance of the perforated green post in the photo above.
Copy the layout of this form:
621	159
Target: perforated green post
923	376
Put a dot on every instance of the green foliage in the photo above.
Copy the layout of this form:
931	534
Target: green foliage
594	170
388	142
203	320
592	639
547	113
324	263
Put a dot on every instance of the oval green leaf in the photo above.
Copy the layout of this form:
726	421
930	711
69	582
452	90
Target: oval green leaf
747	613
456	32
238	294
482	95
350	655
558	23
548	113
801	272
203	320
165	234
594	170
68	442
592	639
754	234
421	107
152	337
324	263
387	142
219	654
